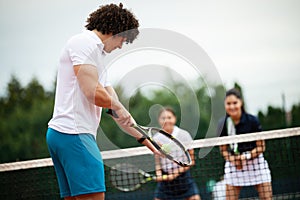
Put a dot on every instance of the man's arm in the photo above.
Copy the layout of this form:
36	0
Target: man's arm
87	77
133	132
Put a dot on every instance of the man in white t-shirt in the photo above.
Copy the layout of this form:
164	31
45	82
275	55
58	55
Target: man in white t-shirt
82	91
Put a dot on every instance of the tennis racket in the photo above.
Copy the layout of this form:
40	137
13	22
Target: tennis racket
127	177
164	142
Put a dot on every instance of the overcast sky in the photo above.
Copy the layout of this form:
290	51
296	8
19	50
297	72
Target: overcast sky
254	42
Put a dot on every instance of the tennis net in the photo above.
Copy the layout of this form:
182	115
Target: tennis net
35	179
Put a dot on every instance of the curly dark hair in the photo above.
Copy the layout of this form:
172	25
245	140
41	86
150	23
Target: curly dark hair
114	19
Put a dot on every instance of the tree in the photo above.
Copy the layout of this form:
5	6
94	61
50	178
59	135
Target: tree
295	115
14	97
25	112
273	119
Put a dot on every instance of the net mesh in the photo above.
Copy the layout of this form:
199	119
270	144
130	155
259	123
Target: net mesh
36	179
126	177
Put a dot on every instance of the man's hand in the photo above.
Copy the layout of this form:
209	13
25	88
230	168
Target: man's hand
124	116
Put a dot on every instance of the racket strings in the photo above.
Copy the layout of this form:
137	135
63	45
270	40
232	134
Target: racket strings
170	146
125	177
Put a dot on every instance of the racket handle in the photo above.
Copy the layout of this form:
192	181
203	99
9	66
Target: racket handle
112	113
115	115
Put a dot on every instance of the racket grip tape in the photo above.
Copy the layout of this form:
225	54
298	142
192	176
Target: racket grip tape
112	113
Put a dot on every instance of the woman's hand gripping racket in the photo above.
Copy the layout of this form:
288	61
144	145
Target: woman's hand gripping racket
164	142
127	177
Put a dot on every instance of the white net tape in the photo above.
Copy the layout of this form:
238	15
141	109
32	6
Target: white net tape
137	151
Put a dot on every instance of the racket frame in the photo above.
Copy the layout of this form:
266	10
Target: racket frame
146	132
146	178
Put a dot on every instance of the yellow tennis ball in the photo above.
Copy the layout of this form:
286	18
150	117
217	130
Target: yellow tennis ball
166	148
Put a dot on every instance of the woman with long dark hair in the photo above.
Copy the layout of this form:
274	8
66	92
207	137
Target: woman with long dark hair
245	164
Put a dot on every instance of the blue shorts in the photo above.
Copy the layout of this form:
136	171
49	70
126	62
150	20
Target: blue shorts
78	163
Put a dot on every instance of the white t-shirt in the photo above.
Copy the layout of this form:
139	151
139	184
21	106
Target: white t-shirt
185	138
73	113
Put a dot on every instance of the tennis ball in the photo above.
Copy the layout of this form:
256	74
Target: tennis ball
166	148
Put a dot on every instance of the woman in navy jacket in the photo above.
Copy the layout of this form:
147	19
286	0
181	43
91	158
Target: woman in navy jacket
245	164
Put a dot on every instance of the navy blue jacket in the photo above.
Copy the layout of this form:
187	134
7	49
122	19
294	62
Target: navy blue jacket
248	124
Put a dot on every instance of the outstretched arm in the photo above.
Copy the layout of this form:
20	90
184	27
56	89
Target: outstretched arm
131	131
175	173
158	171
87	77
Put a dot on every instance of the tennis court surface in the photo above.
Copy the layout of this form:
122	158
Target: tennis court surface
35	179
